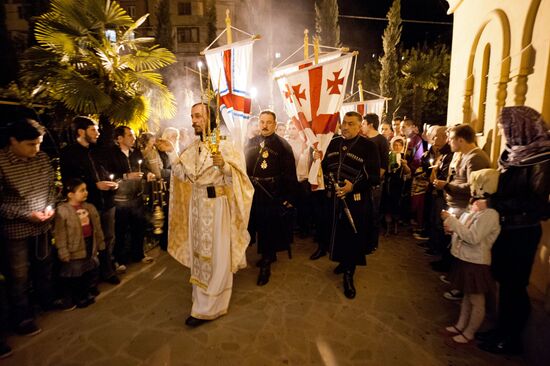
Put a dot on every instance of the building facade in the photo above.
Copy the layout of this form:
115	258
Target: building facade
501	57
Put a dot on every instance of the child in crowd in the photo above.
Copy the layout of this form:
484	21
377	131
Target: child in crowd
473	236
398	171
78	238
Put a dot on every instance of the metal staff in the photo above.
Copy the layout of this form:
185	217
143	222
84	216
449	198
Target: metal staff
346	208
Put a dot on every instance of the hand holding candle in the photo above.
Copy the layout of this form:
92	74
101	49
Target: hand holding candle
139	165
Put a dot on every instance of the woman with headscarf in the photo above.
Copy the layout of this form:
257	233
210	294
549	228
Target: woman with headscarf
522	202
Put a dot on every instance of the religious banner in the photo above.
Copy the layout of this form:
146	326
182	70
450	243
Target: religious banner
230	69
375	106
316	93
279	74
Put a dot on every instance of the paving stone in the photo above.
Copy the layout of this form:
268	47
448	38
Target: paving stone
300	317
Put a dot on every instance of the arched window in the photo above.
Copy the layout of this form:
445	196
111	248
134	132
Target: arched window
484	79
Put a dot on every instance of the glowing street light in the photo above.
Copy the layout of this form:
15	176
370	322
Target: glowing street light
277	55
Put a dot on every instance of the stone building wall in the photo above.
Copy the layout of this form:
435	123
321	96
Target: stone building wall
501	57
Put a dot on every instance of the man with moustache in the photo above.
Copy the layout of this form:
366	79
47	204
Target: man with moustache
209	209
351	167
271	168
81	160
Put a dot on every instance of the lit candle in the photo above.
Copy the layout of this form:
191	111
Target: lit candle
452	210
48	208
139	165
431	161
111	177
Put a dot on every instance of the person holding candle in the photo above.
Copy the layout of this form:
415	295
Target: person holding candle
210	204
27	195
129	214
85	160
468	158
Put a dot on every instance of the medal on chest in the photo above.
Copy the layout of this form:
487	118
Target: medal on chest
263	165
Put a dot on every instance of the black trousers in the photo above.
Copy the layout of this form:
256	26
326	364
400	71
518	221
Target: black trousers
130	224
512	260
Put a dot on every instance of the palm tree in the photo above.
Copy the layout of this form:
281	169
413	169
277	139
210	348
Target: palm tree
89	60
421	72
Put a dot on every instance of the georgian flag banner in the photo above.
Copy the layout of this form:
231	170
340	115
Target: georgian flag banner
375	106
316	93
230	67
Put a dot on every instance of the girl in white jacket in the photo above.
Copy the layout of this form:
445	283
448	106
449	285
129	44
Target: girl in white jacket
473	236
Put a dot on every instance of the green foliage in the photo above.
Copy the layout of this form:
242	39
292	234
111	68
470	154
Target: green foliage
425	83
369	74
389	72
76	65
326	22
211	20
164	25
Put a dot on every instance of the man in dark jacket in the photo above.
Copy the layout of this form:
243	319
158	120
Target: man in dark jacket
270	166
127	168
81	160
351	168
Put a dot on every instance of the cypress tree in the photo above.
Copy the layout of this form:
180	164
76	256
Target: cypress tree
389	86
326	22
211	20
164	25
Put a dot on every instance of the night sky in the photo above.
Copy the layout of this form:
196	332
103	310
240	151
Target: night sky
365	35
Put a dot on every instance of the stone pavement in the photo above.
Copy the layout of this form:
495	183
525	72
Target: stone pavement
300	317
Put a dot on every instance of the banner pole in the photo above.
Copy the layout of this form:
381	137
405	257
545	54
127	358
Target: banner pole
306	44
228	27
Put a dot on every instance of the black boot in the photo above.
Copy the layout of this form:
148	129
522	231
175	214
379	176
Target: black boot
263	277
320	252
349	289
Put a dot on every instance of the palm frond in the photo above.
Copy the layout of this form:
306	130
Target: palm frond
163	102
108	13
129	32
132	112
152	58
79	94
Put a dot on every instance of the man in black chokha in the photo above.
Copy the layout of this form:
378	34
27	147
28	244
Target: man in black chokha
350	168
270	166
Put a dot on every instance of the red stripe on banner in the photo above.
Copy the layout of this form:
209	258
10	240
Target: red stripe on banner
361	109
325	123
303	66
230	100
315	82
303	120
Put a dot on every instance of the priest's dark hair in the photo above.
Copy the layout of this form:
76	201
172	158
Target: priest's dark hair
211	112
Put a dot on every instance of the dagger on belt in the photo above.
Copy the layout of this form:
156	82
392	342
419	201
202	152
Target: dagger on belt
346	208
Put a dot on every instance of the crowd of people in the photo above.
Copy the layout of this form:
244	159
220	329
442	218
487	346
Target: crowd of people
375	179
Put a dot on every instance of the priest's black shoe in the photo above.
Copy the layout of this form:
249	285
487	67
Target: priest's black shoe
318	254
263	277
194	322
349	289
339	269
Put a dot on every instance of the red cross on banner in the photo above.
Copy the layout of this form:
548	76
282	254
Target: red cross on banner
299	95
333	85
